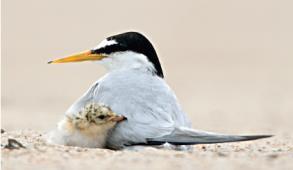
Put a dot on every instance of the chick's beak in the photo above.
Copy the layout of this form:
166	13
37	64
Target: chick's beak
84	56
117	118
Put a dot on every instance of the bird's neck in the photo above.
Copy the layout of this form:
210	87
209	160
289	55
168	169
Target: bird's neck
122	61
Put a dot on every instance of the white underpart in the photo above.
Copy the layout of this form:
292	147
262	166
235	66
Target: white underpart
127	60
93	137
105	43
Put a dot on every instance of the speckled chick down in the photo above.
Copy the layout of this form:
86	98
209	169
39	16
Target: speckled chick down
88	128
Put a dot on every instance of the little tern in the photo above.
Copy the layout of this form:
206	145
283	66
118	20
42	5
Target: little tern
135	88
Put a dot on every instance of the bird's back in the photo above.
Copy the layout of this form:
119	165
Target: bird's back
146	100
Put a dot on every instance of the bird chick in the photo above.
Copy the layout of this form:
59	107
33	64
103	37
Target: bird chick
88	128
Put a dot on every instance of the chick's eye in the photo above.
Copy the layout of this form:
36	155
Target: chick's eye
101	116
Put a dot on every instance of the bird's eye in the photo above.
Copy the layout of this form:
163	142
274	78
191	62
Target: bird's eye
101	116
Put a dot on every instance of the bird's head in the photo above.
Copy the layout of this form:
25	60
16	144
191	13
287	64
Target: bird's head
130	50
95	115
104	115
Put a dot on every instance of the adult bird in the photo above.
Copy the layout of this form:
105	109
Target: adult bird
135	88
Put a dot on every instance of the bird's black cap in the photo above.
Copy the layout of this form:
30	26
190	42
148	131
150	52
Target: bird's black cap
136	42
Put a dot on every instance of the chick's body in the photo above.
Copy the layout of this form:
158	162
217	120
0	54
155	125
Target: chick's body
88	128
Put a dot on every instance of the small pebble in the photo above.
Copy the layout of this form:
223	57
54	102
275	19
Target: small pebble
221	154
13	144
273	156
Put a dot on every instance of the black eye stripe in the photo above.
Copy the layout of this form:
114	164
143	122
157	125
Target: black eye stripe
110	49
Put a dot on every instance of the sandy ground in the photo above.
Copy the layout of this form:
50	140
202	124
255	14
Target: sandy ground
273	153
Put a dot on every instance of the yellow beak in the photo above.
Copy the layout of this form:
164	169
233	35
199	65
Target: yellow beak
84	56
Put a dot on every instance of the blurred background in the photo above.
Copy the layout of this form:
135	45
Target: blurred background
229	62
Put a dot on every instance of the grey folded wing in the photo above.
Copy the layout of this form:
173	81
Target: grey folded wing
187	136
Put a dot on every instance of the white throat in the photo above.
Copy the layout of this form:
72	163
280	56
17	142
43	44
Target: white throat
127	60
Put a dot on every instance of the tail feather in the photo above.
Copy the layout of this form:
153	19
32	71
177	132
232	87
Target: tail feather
186	136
